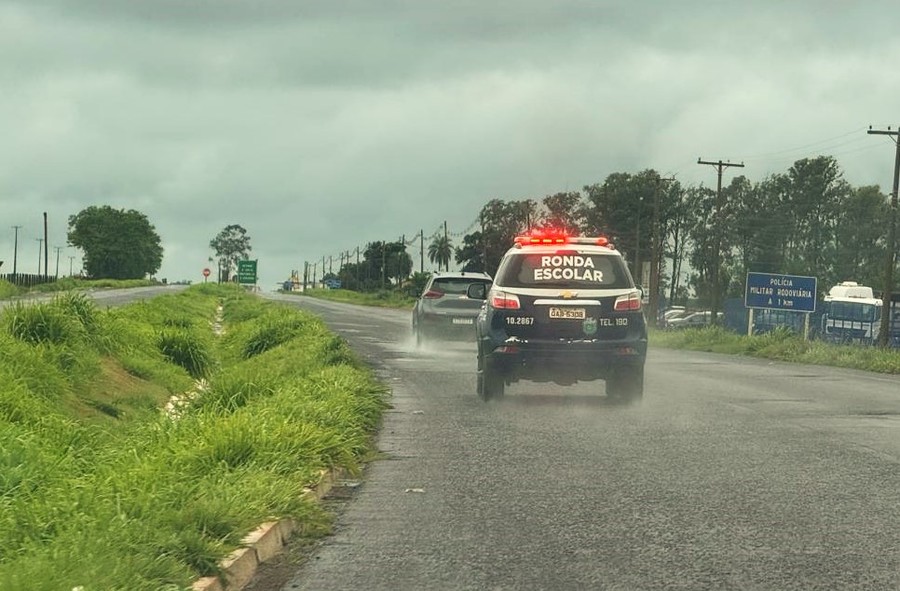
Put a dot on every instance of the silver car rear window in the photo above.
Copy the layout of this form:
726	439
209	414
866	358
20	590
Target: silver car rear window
455	285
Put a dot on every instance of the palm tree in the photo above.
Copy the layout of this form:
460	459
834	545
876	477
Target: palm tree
439	251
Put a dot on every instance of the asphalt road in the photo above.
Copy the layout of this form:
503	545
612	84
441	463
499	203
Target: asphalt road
734	473
105	297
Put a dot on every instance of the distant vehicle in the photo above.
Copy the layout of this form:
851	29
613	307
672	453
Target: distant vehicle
694	320
561	310
852	314
671	314
444	311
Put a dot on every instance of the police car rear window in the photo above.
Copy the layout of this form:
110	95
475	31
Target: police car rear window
564	269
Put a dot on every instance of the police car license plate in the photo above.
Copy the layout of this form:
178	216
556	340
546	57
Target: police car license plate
568	313
462	321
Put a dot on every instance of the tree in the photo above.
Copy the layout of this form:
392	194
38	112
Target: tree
564	212
471	254
230	245
382	262
440	250
860	237
116	244
622	209
501	221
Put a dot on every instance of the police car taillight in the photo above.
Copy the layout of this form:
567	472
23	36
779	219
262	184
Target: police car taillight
628	303
501	300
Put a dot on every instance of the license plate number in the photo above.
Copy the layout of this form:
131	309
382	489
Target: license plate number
462	321
568	313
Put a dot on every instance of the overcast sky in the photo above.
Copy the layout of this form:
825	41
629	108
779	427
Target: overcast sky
320	126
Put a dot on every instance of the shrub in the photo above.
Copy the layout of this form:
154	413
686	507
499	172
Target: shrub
273	330
41	323
186	349
234	389
7	289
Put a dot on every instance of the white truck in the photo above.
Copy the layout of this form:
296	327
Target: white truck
852	314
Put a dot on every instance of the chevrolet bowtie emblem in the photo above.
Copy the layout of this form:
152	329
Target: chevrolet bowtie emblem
567	295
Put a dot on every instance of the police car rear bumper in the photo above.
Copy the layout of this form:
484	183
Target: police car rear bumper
557	359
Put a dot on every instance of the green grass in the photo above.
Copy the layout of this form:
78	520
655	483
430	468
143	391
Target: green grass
382	299
100	489
781	345
7	289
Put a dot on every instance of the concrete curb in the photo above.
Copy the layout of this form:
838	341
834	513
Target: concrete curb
262	544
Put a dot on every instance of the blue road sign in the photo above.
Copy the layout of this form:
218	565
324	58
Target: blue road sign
780	292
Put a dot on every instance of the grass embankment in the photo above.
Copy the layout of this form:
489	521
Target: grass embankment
102	490
781	345
381	299
8	290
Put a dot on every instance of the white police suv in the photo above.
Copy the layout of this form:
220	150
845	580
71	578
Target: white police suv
561	309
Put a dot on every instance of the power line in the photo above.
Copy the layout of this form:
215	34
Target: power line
805	146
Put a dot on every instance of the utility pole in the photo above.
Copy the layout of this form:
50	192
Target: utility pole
887	292
71	260
422	250
655	253
15	250
383	263
717	254
447	242
483	243
57	249
400	254
46	246
40	252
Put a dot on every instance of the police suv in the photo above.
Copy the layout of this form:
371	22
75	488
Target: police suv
561	309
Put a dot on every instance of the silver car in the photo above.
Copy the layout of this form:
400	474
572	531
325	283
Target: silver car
693	320
444	311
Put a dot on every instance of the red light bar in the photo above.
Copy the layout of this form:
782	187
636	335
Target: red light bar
526	240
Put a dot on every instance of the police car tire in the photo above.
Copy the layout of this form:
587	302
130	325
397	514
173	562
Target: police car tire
492	381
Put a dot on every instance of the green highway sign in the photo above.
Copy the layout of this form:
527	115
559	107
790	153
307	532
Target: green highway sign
246	272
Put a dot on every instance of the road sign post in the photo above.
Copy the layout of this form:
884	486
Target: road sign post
246	273
770	291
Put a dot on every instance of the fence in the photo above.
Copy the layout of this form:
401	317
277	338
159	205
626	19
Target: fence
28	279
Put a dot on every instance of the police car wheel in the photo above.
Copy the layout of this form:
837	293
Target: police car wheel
492	381
625	384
